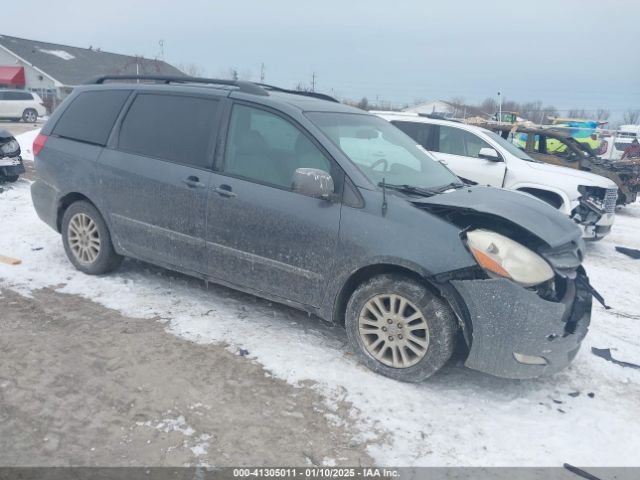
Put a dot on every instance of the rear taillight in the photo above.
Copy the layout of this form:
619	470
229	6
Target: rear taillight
38	143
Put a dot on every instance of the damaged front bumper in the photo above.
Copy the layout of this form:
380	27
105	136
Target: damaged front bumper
11	166
518	334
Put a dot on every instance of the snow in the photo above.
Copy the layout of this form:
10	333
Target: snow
26	143
63	54
458	417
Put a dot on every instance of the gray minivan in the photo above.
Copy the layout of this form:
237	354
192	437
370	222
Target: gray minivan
302	200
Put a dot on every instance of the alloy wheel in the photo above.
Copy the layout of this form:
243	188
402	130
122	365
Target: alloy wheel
84	238
30	116
393	330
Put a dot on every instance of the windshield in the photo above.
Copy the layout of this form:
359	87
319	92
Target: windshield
382	151
508	146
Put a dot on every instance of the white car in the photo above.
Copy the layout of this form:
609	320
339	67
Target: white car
479	155
20	104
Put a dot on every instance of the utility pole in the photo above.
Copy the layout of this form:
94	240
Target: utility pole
161	43
262	72
313	82
499	107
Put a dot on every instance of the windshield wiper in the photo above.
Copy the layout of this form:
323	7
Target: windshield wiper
425	192
449	186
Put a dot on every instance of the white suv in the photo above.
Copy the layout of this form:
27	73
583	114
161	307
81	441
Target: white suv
479	155
20	104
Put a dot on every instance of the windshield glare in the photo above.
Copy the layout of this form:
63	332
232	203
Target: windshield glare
508	146
382	151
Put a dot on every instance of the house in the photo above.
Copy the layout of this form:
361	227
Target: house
446	109
52	70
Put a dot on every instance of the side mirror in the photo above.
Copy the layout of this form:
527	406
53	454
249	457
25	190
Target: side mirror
312	182
489	154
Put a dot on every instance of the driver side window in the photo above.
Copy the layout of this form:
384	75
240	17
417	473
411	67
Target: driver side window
267	148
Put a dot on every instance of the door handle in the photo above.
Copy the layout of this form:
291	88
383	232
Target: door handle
224	191
193	182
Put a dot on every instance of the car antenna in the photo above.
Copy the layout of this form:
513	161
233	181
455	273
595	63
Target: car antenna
384	197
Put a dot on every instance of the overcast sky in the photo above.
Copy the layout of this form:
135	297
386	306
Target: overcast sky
570	53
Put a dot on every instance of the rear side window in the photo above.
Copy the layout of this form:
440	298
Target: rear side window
91	116
17	96
420	132
170	127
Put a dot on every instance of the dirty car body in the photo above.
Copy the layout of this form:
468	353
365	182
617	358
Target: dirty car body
346	220
11	166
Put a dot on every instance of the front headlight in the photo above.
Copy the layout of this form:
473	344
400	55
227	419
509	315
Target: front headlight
504	257
10	148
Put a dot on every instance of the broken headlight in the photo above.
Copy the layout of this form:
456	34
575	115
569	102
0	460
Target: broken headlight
500	256
11	148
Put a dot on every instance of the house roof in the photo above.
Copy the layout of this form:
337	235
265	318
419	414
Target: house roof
470	109
73	65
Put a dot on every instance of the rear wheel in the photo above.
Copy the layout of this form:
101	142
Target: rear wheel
399	328
87	241
30	115
10	178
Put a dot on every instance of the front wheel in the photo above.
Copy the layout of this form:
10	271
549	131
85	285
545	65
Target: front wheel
87	241
400	329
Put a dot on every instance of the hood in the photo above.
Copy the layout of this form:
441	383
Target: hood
585	178
525	211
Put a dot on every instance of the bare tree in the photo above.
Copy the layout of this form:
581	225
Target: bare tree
631	116
301	87
532	111
459	108
489	105
577	113
191	69
602	114
363	104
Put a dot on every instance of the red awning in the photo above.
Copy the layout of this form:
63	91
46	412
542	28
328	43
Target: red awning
12	76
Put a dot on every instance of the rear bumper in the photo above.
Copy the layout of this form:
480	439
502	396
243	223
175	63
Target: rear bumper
510	322
45	200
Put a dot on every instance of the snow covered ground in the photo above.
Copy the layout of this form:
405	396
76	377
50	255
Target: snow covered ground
587	415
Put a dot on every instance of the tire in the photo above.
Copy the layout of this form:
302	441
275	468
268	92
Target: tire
438	334
29	116
9	179
82	225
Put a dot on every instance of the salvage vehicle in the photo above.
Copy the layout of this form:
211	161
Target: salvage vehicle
541	144
11	166
615	143
276	193
479	155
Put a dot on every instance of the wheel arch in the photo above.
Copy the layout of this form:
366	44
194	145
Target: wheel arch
362	274
66	201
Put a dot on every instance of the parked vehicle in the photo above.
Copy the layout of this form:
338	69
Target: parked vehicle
542	144
283	195
20	104
11	166
616	143
484	157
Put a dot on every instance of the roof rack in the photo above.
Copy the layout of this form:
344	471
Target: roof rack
321	96
243	86
246	87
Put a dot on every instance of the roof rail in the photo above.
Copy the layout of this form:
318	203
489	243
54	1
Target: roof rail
321	96
246	87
